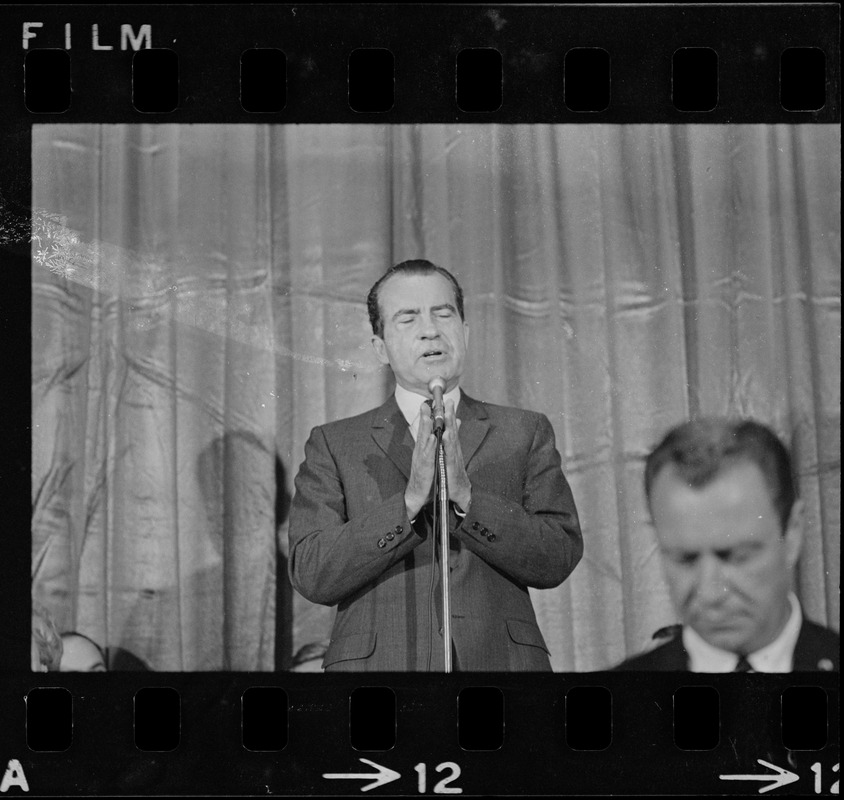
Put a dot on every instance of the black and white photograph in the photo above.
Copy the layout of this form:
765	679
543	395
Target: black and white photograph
628	338
437	398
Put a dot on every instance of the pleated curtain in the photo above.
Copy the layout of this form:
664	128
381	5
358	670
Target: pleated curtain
199	305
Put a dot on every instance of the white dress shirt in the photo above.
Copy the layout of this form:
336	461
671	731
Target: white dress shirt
409	403
777	656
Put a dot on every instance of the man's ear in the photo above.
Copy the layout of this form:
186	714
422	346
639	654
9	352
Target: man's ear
794	533
466	334
380	349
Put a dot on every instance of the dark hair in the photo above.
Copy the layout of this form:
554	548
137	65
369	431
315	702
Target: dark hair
418	266
701	449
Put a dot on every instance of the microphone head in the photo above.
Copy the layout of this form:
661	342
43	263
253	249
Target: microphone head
436	383
436	386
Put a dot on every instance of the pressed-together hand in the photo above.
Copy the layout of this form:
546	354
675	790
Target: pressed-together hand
421	480
422	466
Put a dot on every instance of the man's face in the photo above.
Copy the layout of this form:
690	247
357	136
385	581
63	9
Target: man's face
424	337
79	655
727	563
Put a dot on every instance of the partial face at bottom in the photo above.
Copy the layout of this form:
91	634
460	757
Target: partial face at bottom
80	655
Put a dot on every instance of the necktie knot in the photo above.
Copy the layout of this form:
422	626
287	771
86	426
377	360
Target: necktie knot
742	665
414	426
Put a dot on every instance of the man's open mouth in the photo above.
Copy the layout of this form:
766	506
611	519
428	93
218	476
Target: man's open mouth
430	355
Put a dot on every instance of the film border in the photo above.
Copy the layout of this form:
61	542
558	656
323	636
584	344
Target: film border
324	36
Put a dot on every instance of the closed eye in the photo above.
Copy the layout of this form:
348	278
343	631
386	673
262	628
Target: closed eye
737	555
446	310
683	559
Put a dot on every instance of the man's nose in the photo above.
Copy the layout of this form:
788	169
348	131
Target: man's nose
429	328
711	584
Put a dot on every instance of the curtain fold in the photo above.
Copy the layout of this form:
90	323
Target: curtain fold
199	305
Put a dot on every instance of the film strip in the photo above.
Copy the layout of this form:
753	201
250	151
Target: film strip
474	733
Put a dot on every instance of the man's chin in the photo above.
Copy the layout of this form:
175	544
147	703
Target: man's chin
733	638
436	368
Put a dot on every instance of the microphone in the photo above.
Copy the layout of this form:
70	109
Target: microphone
436	387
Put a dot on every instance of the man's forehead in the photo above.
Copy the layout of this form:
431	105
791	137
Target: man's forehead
718	539
734	509
736	483
696	548
416	290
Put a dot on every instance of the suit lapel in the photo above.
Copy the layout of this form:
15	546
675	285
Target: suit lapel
392	435
474	426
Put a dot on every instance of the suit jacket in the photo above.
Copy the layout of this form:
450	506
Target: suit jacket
353	546
816	649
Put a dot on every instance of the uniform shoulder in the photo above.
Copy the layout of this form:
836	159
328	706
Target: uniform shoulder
821	631
818	647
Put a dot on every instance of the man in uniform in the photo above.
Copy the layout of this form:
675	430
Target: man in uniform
730	526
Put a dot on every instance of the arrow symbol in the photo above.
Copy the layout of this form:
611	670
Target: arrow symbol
782	778
384	775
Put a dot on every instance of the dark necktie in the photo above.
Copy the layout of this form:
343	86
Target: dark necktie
742	665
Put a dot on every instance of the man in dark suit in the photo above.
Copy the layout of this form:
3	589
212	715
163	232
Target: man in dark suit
360	531
730	526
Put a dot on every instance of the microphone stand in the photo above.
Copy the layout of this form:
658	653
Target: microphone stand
442	500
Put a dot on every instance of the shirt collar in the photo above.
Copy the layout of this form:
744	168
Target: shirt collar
777	656
409	402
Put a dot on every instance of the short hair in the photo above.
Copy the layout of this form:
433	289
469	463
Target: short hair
701	449
418	266
46	637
